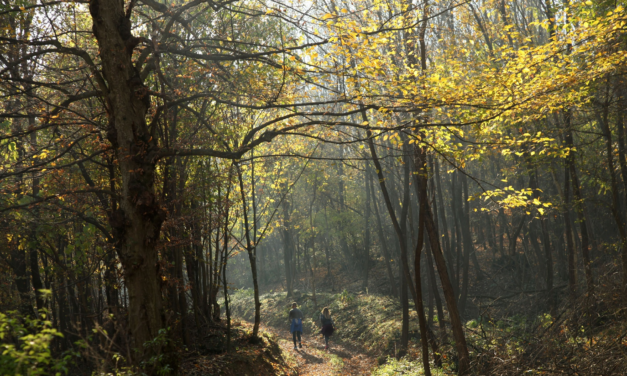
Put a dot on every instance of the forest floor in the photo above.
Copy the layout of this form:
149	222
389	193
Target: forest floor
342	358
274	354
367	330
507	335
248	357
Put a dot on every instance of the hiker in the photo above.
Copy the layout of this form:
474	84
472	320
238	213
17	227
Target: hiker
327	326
296	324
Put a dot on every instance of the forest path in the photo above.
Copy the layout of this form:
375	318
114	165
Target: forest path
342	358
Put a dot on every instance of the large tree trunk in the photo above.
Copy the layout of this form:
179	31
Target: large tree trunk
137	223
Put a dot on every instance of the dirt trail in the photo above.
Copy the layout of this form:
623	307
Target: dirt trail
342	358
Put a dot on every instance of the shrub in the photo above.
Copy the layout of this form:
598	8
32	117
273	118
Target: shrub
346	298
394	367
25	346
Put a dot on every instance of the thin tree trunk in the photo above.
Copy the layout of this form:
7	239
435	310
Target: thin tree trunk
440	199
252	255
18	264
399	228
622	162
313	244
585	251
464	222
616	210
572	269
514	236
182	299
383	243
456	242
287	249
447	287
405	317
548	256
436	293
227	309
420	308
191	262
405	273
366	255
33	253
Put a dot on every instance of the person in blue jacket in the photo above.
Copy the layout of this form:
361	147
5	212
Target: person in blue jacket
296	324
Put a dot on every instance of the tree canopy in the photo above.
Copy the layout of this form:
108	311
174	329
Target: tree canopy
154	153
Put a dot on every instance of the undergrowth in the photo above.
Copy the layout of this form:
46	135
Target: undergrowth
248	357
404	366
585	337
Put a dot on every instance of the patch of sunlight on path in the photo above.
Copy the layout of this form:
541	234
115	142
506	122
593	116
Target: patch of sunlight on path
313	360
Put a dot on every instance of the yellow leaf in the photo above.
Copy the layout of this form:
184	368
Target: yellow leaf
327	16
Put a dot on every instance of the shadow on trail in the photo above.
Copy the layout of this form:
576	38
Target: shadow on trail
312	360
309	358
341	353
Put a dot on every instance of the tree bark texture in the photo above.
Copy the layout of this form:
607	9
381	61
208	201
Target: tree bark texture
137	223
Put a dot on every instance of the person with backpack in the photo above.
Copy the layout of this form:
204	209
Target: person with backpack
296	324
327	326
